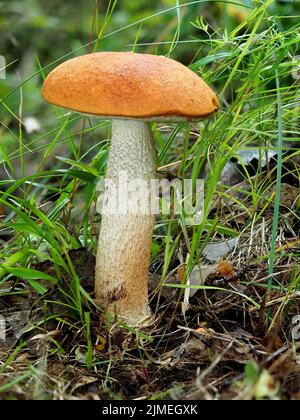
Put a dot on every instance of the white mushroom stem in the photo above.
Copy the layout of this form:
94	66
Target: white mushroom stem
125	239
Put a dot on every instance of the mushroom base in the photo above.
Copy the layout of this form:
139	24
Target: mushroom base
126	232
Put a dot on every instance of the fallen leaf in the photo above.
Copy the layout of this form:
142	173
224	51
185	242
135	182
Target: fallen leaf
218	250
202	330
232	173
265	387
198	277
101	343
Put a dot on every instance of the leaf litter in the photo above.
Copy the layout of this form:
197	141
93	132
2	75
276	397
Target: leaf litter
232	339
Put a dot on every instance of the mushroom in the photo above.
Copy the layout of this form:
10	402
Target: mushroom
133	90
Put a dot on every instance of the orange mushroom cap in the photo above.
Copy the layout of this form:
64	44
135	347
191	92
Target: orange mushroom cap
130	85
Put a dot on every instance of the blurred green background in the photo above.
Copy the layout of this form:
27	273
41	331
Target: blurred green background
37	33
